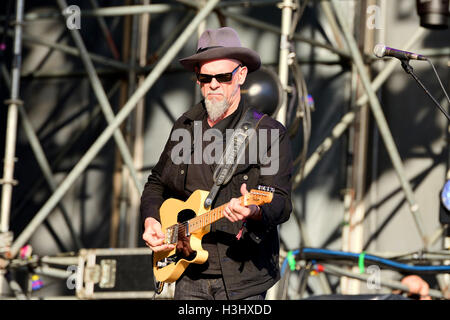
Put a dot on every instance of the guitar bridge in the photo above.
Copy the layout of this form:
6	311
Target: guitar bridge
165	262
171	234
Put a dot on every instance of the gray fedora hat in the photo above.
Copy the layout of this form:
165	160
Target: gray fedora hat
221	43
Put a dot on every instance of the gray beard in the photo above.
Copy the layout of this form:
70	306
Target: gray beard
216	109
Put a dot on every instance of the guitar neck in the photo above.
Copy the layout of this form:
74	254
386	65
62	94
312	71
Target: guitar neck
209	217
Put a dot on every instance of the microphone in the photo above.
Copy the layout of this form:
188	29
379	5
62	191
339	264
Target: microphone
381	51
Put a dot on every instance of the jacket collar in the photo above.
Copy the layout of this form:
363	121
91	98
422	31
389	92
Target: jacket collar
197	112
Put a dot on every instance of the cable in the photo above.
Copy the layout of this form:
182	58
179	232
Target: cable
440	82
285	262
298	14
408	69
303	112
351	255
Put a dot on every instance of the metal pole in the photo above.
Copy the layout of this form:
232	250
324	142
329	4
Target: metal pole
10	146
326	8
109	39
103	100
42	160
138	150
169	39
59	157
271	28
47	171
107	11
11	135
381	122
15	287
116	224
133	10
11	129
352	239
143	9
283	67
72	51
349	117
109	131
287	6
102	73
125	195
62	261
385	282
52	272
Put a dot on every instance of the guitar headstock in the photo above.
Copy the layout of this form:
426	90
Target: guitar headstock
259	196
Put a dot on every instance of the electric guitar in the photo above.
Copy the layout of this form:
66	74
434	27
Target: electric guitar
188	222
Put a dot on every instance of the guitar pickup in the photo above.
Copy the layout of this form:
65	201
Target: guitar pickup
171	234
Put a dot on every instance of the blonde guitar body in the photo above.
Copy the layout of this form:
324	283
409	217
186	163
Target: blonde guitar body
169	216
185	223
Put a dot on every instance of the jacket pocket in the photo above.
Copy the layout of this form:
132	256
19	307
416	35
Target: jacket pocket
247	174
173	176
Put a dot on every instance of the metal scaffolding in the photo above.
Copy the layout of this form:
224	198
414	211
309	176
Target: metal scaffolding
141	77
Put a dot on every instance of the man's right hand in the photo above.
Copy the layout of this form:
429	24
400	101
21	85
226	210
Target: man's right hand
417	286
154	237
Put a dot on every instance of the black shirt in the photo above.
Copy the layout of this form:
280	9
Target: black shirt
200	176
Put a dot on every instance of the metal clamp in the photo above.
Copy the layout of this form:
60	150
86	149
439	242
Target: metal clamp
287	4
6	239
108	273
92	274
14	101
11	182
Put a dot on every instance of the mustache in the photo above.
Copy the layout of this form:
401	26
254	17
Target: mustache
214	92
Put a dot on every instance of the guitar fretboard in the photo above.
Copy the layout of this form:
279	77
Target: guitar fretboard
209	217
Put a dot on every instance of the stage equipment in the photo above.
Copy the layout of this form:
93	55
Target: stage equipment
115	274
444	214
380	50
404	56
263	91
433	13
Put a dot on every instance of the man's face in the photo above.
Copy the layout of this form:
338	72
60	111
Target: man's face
219	96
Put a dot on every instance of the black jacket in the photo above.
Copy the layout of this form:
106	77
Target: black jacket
249	265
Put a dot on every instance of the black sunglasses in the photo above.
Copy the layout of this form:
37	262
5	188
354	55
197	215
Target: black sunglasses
221	77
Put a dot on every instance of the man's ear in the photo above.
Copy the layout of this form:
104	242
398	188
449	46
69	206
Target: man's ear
242	75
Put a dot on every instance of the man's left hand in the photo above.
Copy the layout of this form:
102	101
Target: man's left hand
234	211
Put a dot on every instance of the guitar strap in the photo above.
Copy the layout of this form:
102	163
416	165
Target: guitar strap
234	152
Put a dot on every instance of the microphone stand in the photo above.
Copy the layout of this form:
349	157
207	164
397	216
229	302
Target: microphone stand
408	69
